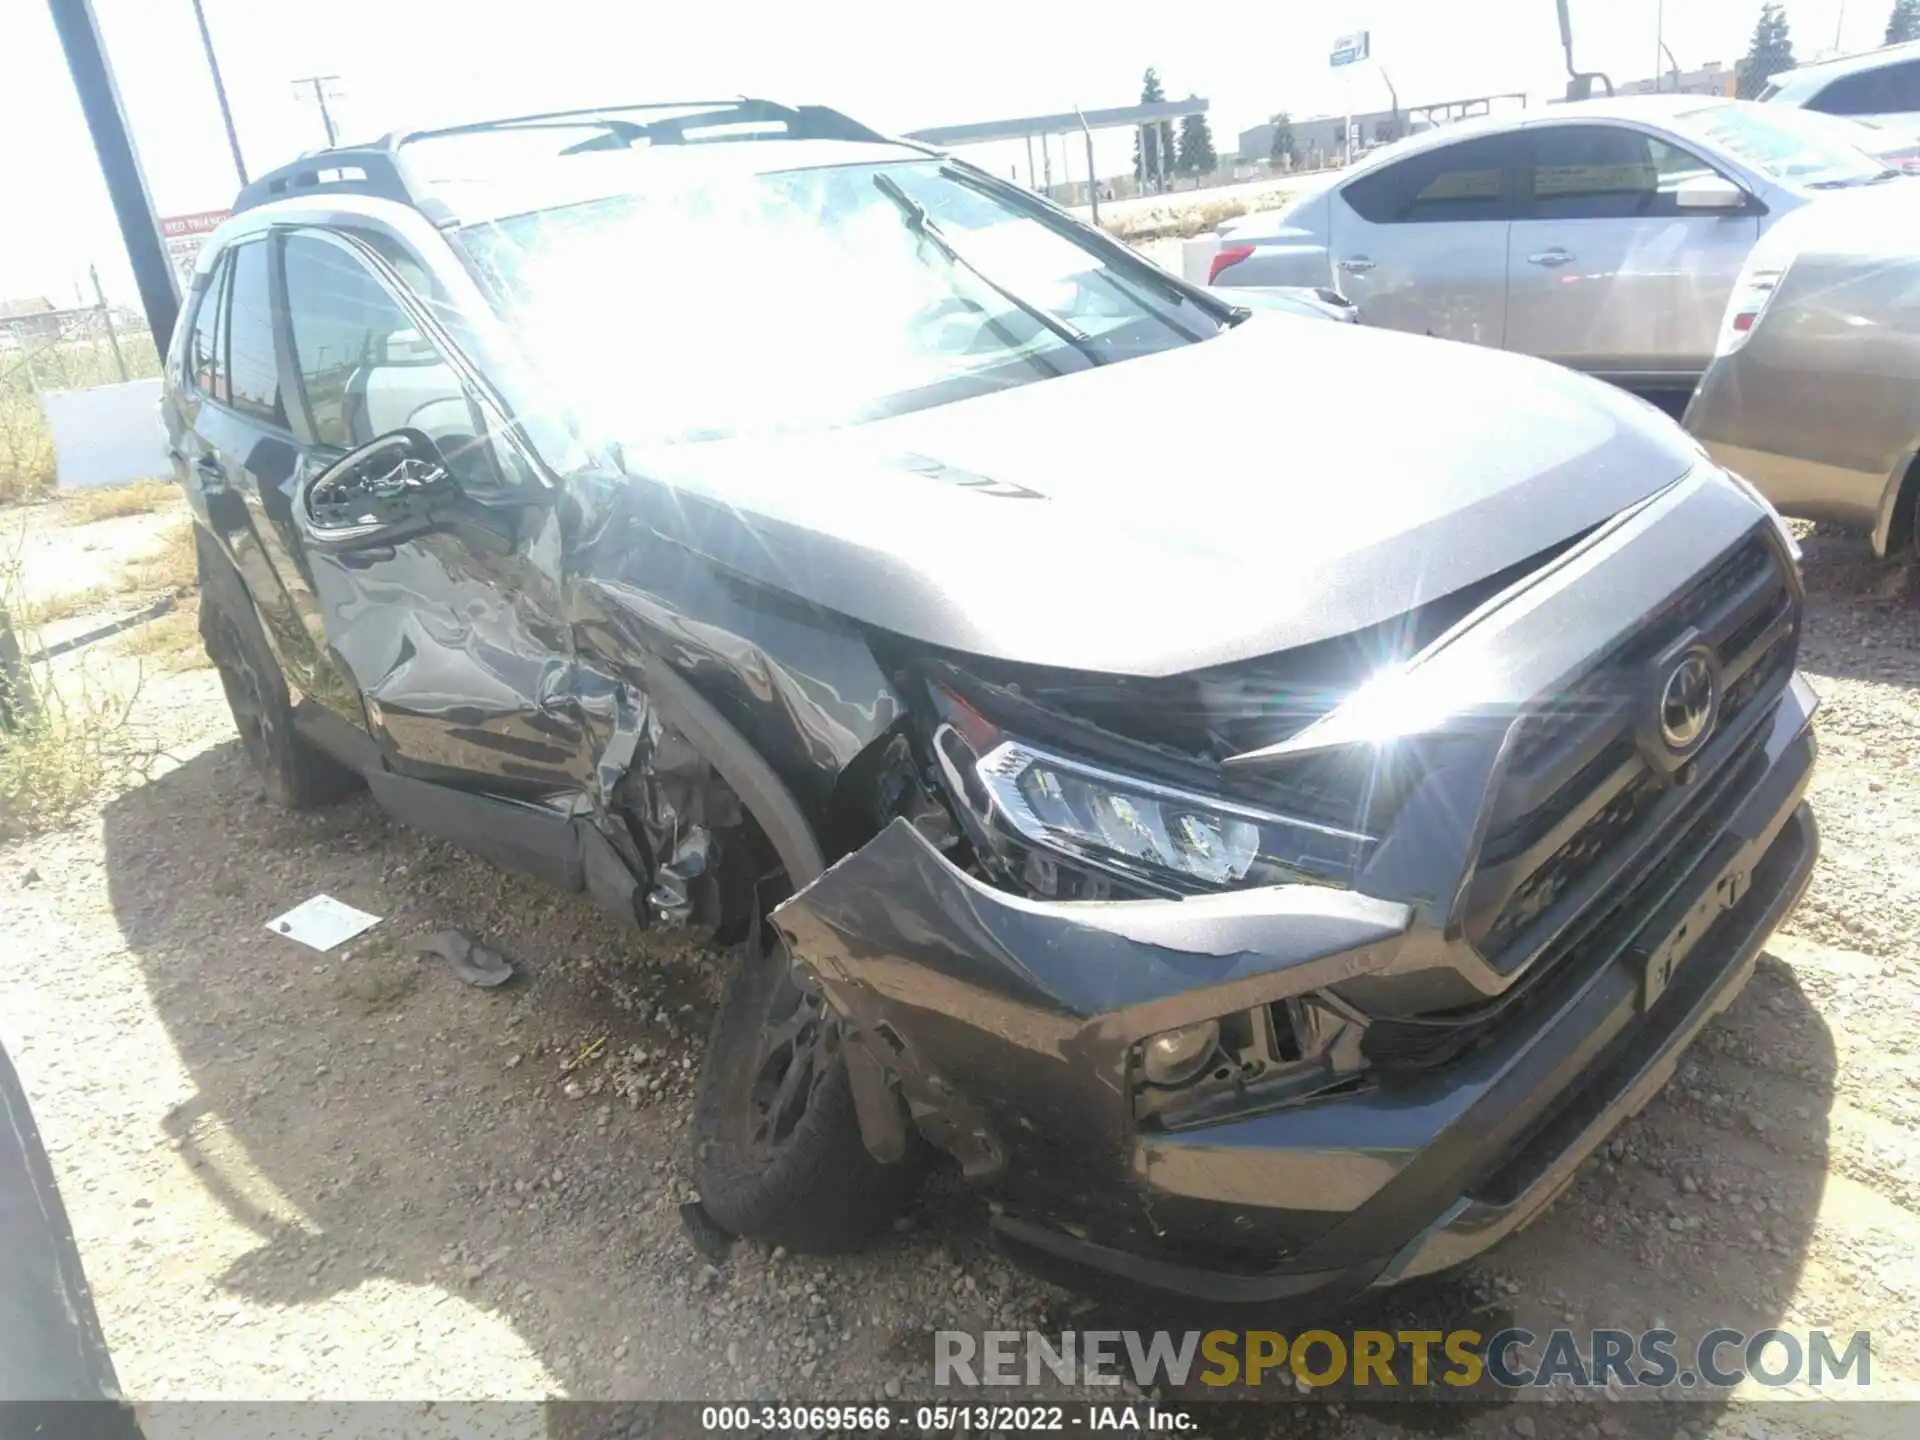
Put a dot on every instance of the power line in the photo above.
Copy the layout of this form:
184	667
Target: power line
319	84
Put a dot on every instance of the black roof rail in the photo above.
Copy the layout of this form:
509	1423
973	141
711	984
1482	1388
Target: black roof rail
803	122
378	170
351	170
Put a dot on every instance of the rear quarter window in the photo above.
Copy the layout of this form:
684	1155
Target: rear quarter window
1448	184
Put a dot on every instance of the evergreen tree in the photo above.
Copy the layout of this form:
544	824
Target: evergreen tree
1153	164
1904	22
1196	152
1770	53
1285	147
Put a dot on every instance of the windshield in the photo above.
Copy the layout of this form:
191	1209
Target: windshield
1793	146
811	298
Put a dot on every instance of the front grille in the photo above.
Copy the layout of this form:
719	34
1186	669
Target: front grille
1421	1042
1578	798
1564	867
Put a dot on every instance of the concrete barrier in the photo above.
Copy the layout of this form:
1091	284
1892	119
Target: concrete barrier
107	435
1196	257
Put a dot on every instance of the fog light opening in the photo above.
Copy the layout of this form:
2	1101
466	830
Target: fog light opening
1174	1057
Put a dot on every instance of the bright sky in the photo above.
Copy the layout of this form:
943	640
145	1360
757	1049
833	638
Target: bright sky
405	63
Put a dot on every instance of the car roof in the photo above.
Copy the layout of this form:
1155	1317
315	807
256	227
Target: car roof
1799	83
496	168
476	194
1646	109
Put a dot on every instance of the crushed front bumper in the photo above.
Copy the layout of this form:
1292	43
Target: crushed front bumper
1010	1023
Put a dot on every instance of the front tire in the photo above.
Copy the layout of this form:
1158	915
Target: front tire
778	1154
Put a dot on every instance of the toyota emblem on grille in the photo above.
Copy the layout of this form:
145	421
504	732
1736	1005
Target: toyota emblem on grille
1687	702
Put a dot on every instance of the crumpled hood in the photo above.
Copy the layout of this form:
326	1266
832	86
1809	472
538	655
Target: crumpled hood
1289	481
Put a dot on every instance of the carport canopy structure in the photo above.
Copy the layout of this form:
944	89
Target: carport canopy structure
1136	117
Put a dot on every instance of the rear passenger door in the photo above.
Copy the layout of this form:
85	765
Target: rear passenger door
1421	244
1606	273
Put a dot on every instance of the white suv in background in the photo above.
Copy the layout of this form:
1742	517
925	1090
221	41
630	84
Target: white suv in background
1880	88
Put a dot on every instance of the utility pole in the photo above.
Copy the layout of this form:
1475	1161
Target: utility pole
1093	175
220	92
93	83
1659	39
106	318
319	84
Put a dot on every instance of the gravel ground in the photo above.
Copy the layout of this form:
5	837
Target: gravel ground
295	1175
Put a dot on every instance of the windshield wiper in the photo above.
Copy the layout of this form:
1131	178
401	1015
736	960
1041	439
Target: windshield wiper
928	229
1853	184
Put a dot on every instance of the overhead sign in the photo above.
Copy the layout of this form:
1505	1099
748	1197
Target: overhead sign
1352	49
183	235
201	222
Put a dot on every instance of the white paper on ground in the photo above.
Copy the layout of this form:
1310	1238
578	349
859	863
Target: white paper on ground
322	922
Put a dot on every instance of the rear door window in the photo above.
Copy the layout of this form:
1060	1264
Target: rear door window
1889	90
1446	185
253	373
206	357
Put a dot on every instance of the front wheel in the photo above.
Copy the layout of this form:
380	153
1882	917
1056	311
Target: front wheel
779	1156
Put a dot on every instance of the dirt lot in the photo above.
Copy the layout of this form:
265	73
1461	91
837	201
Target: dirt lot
295	1175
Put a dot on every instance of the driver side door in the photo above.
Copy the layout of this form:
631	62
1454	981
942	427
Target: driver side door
450	636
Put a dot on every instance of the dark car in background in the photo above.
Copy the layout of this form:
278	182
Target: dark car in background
56	1376
1267	870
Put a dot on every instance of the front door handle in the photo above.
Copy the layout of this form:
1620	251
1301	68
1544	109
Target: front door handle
1550	257
1357	265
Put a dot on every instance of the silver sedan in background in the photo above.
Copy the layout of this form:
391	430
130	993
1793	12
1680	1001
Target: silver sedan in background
1814	396
1605	235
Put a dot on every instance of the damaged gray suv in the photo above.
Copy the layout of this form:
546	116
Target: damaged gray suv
1265	797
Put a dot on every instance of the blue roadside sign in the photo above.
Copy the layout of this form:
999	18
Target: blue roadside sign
1351	49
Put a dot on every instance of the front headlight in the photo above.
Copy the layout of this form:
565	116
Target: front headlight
1142	829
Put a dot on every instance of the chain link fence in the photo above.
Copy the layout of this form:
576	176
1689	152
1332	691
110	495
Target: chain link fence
51	350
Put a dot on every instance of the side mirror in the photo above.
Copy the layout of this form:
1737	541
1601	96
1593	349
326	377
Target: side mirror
386	490
1708	192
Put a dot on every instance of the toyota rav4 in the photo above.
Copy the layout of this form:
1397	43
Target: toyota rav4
1266	797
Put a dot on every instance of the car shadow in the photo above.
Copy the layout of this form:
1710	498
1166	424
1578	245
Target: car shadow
365	1116
1697	1215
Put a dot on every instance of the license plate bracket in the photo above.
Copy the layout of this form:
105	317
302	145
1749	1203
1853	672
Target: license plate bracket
1662	959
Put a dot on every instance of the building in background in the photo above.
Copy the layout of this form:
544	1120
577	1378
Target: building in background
1713	78
1317	141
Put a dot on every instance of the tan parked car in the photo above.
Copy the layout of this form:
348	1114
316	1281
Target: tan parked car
1814	392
